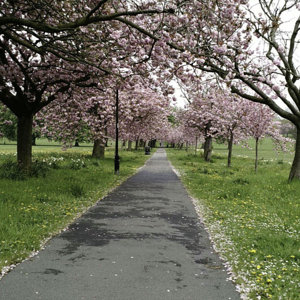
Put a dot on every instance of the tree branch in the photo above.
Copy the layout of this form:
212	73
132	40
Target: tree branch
84	21
96	8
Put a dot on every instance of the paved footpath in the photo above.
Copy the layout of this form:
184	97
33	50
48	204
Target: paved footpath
142	242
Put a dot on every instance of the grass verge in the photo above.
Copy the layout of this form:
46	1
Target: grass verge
34	209
253	219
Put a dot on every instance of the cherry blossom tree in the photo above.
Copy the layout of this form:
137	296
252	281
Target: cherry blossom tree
202	115
143	113
260	122
64	27
175	136
67	121
50	52
217	113
253	49
231	113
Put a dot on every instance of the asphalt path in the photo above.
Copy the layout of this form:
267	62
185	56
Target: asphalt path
143	241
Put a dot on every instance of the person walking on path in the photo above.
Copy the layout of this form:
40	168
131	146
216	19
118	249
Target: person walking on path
143	241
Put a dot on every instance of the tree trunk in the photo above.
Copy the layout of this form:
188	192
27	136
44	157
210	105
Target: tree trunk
230	144
208	148
76	143
295	169
33	139
106	139
137	144
98	149
24	142
256	154
152	143
129	148
196	145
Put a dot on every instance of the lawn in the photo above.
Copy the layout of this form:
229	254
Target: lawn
253	219
34	209
43	145
266	150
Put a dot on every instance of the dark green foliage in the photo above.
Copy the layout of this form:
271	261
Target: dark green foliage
77	190
39	169
8	123
241	181
11	170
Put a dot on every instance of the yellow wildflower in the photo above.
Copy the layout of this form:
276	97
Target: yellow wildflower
252	251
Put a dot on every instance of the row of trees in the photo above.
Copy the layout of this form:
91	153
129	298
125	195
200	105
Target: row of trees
81	51
220	115
143	115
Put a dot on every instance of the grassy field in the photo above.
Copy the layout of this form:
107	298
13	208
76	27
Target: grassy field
43	145
34	209
253	219
265	150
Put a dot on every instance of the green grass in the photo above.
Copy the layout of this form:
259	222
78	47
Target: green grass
253	219
42	145
34	209
266	150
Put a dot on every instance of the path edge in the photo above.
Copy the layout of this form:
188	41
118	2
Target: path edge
6	269
209	228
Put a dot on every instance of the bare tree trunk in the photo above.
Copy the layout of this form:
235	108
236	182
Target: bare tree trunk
106	139
24	142
129	148
256	154
295	169
137	144
76	143
196	146
141	143
33	139
230	144
208	148
98	149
